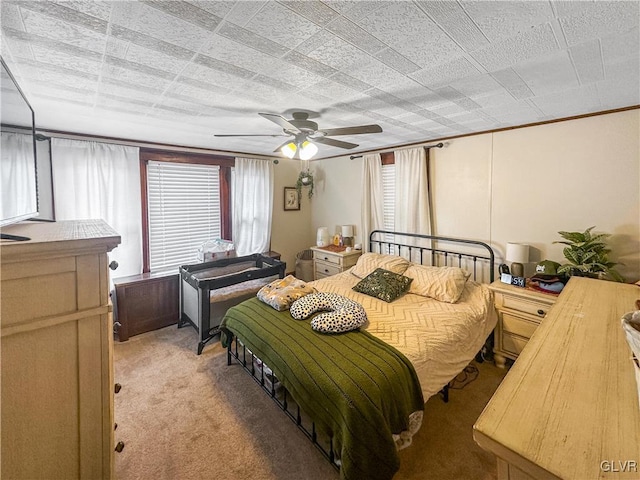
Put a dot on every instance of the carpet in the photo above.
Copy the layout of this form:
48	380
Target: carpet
184	416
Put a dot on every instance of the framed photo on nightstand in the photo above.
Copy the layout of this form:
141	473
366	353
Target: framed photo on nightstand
291	199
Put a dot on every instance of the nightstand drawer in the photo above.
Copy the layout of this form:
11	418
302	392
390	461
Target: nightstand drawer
513	344
518	326
524	305
327	257
323	269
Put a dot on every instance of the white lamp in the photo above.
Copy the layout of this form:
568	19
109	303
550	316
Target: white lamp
517	254
347	235
322	237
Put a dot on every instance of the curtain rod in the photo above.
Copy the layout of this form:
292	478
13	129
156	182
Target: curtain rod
437	145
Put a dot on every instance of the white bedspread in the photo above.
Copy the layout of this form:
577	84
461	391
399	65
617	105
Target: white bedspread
439	339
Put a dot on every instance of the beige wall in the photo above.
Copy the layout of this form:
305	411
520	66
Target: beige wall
521	185
291	231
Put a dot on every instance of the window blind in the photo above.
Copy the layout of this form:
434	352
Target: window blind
389	196
184	211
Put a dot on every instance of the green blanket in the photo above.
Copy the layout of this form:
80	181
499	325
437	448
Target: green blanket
355	386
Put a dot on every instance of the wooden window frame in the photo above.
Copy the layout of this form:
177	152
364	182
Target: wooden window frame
225	163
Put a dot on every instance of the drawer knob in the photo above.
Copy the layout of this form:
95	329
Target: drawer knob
540	312
327	271
326	258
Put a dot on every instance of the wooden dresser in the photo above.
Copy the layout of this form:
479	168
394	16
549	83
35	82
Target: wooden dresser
568	408
326	263
520	311
57	341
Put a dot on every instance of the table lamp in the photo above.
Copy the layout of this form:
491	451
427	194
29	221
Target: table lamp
347	235
517	254
322	237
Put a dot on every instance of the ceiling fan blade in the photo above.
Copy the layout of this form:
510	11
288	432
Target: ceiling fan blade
332	142
249	135
280	120
352	130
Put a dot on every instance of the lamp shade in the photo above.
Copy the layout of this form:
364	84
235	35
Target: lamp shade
347	230
517	252
322	238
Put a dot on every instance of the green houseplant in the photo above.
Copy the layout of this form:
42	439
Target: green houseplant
588	255
305	179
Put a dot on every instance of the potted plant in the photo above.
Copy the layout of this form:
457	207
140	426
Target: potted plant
305	179
587	255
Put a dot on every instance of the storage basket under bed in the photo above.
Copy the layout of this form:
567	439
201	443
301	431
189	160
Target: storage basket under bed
208	289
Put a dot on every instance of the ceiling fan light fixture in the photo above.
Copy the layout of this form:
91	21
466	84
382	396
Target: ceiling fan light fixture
289	150
307	150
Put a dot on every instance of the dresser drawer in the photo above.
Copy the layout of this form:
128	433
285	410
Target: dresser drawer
518	326
513	344
327	257
538	309
324	269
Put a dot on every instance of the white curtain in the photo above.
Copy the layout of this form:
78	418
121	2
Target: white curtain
18	198
412	205
372	199
252	205
97	180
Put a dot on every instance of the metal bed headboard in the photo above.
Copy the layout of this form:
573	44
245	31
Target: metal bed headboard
382	241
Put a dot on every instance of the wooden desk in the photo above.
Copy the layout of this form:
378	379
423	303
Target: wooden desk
568	408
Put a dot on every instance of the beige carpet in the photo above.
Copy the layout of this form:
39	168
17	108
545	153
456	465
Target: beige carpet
184	416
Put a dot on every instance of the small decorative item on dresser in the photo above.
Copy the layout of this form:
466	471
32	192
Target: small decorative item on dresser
291	199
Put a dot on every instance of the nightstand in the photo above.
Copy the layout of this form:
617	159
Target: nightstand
520	311
327	263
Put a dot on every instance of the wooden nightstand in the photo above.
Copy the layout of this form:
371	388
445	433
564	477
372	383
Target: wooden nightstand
520	311
327	263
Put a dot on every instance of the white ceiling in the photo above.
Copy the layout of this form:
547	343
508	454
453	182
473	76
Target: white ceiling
178	72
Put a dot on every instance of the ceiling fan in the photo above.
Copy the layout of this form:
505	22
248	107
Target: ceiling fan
306	134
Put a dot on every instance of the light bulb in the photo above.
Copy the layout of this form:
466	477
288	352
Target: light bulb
289	150
307	150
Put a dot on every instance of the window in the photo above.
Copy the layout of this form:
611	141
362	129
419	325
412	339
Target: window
388	192
388	196
186	202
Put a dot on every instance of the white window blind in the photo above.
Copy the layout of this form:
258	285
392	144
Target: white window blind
184	211
389	196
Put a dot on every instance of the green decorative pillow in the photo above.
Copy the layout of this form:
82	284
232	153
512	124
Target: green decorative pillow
384	285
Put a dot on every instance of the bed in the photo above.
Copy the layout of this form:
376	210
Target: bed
359	395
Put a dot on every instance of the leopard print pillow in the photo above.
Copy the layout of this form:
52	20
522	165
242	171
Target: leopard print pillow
342	314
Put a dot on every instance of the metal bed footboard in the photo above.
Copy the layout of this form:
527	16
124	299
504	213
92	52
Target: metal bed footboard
269	383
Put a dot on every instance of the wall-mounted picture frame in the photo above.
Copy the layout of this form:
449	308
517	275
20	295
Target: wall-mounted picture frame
291	199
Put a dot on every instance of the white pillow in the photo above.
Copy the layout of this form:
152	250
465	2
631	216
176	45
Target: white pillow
444	284
369	262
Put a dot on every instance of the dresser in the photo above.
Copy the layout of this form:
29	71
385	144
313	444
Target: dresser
520	311
568	408
57	365
326	262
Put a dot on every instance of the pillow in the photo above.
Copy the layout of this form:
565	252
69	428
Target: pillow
368	262
342	314
281	293
444	284
383	284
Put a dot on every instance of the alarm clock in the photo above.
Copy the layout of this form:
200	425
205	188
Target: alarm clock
518	281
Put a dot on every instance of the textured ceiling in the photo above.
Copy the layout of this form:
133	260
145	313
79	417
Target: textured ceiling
179	72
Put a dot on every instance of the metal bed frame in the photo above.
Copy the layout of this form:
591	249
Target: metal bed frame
380	241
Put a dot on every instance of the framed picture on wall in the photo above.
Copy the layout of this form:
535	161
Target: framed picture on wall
291	199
